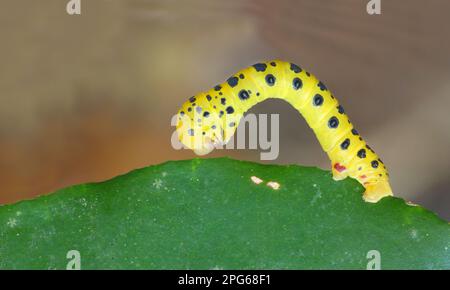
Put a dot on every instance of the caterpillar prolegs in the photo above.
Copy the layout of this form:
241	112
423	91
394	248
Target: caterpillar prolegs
211	118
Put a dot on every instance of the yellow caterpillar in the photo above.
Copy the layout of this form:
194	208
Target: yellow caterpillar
211	118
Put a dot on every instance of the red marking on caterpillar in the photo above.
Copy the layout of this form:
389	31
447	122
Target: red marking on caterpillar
339	167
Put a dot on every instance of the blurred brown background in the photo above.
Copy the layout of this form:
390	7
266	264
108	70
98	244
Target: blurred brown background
85	98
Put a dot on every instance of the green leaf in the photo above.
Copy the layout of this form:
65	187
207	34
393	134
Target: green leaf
209	214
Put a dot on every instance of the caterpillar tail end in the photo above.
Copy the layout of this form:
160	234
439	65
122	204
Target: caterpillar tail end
376	188
376	191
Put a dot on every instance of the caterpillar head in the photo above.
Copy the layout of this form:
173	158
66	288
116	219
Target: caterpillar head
202	128
195	133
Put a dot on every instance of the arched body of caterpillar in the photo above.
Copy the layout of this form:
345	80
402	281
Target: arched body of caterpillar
212	117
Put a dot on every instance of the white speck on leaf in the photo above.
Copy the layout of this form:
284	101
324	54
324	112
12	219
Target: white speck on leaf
414	234
83	202
273	184
12	222
157	183
256	179
164	174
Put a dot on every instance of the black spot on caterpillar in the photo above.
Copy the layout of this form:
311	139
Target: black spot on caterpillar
318	100
233	81
260	66
243	95
343	144
297	83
